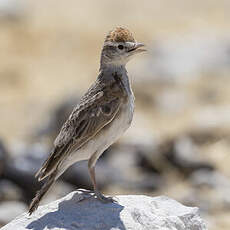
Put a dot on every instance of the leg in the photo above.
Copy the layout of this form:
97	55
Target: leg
99	195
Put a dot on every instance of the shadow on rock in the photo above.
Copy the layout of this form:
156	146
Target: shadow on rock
75	213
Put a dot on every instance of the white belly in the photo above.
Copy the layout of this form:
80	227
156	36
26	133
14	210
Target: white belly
106	137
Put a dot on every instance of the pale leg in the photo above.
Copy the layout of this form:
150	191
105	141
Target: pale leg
100	196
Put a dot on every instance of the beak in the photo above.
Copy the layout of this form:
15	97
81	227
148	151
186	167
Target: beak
136	48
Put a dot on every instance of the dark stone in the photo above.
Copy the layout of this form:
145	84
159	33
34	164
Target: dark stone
57	118
21	170
180	152
145	163
4	155
78	174
10	191
128	167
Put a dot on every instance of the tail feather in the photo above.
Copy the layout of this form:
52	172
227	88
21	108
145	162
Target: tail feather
48	167
39	195
49	170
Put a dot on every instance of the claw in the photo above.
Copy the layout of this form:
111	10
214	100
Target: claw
103	198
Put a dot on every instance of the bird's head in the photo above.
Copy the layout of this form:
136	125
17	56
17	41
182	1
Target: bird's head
119	47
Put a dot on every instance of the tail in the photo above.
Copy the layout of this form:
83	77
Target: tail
51	163
48	166
39	195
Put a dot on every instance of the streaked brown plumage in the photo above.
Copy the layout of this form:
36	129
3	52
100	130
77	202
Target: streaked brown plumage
100	118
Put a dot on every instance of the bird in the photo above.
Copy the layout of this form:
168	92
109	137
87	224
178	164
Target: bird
103	114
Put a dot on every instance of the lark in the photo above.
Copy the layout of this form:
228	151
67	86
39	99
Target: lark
103	114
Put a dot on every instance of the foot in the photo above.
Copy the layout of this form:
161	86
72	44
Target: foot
86	194
103	198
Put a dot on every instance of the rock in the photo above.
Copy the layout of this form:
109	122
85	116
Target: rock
120	165
184	155
3	157
78	175
9	210
209	179
80	211
131	174
60	114
10	191
210	191
22	168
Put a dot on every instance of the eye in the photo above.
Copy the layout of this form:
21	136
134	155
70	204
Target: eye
121	47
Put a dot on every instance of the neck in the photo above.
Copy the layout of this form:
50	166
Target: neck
108	70
112	68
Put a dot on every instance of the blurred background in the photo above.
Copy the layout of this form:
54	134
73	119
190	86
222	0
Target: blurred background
178	144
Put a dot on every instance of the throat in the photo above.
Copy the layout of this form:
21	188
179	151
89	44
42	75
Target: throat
112	68
120	72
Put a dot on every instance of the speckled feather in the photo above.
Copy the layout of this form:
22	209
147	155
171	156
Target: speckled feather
101	117
96	109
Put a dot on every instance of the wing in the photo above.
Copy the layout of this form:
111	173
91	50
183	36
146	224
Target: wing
86	120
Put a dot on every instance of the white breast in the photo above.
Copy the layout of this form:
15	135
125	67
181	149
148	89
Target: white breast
121	122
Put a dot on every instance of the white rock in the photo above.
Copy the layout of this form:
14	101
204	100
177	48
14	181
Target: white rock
82	211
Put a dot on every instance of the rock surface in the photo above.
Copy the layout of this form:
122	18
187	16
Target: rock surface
80	210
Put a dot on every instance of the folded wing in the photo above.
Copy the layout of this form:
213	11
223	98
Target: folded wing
86	120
